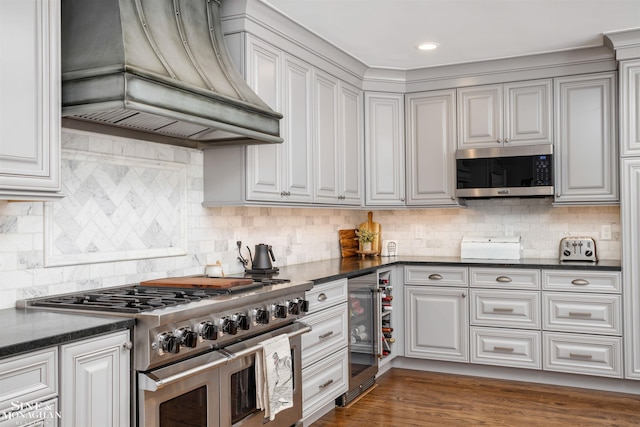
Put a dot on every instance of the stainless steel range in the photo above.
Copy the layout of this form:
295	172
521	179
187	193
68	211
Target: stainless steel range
197	344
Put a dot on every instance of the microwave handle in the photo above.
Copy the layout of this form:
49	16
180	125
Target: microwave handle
148	381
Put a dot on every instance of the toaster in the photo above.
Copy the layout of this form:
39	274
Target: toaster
578	249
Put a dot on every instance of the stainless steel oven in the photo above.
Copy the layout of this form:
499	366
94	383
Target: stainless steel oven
194	347
218	388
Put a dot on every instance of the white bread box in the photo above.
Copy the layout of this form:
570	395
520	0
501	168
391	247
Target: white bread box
491	247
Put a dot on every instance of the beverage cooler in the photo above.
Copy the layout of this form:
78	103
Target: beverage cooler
364	351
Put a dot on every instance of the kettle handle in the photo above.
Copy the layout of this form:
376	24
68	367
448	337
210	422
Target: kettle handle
273	257
250	255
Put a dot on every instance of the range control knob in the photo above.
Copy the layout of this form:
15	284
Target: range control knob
294	307
187	337
261	316
228	326
304	305
567	252
169	343
242	321
208	330
280	311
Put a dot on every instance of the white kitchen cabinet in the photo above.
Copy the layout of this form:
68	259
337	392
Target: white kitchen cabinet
505	114
27	379
586	149
629	108
436	323
582	322
281	172
583	354
384	149
325	356
505	317
431	146
95	381
30	100
630	212
506	347
338	142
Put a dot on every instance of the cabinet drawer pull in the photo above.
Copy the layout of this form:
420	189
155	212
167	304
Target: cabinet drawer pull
435	276
325	335
503	279
579	282
502	310
328	383
580	356
579	314
322	297
503	349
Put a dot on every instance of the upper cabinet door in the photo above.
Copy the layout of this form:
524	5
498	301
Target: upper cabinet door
298	130
30	99
384	149
480	116
351	133
527	113
431	146
264	162
586	152
629	103
326	140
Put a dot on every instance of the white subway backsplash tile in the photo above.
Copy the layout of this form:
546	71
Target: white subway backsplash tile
212	233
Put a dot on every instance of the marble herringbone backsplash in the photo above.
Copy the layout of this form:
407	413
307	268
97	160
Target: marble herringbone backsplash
133	212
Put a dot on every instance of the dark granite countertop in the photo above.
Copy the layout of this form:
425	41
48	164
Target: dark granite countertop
25	330
339	268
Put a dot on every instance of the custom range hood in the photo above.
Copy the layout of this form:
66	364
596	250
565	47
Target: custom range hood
158	70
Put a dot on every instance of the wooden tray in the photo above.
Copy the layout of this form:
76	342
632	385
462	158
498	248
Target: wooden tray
198	282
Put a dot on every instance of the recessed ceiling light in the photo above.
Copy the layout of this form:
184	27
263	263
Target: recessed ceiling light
428	46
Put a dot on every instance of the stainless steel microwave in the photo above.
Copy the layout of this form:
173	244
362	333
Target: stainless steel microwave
517	171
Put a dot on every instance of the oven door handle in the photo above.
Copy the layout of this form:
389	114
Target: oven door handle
150	382
302	329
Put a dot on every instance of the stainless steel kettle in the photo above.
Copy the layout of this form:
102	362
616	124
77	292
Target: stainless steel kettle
262	257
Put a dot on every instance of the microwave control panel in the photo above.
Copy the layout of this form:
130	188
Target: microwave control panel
543	170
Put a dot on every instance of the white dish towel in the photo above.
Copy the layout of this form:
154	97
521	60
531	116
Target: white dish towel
274	376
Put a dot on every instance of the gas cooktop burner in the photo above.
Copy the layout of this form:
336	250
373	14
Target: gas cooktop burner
133	299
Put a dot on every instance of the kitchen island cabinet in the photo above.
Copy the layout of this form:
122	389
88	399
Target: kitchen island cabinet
30	101
586	151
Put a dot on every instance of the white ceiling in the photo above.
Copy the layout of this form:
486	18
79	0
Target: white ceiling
385	33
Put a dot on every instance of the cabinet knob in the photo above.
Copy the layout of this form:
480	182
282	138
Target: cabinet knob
506	140
557	195
127	345
498	140
464	295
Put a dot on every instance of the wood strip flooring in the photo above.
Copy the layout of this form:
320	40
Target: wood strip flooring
406	398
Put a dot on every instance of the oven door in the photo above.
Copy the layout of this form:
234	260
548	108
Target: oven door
238	406
183	394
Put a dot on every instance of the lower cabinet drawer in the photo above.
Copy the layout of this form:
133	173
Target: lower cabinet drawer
583	354
324	381
326	295
589	313
329	330
506	347
516	309
28	377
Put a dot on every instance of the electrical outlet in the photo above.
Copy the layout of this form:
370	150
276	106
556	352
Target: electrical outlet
419	232
605	232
